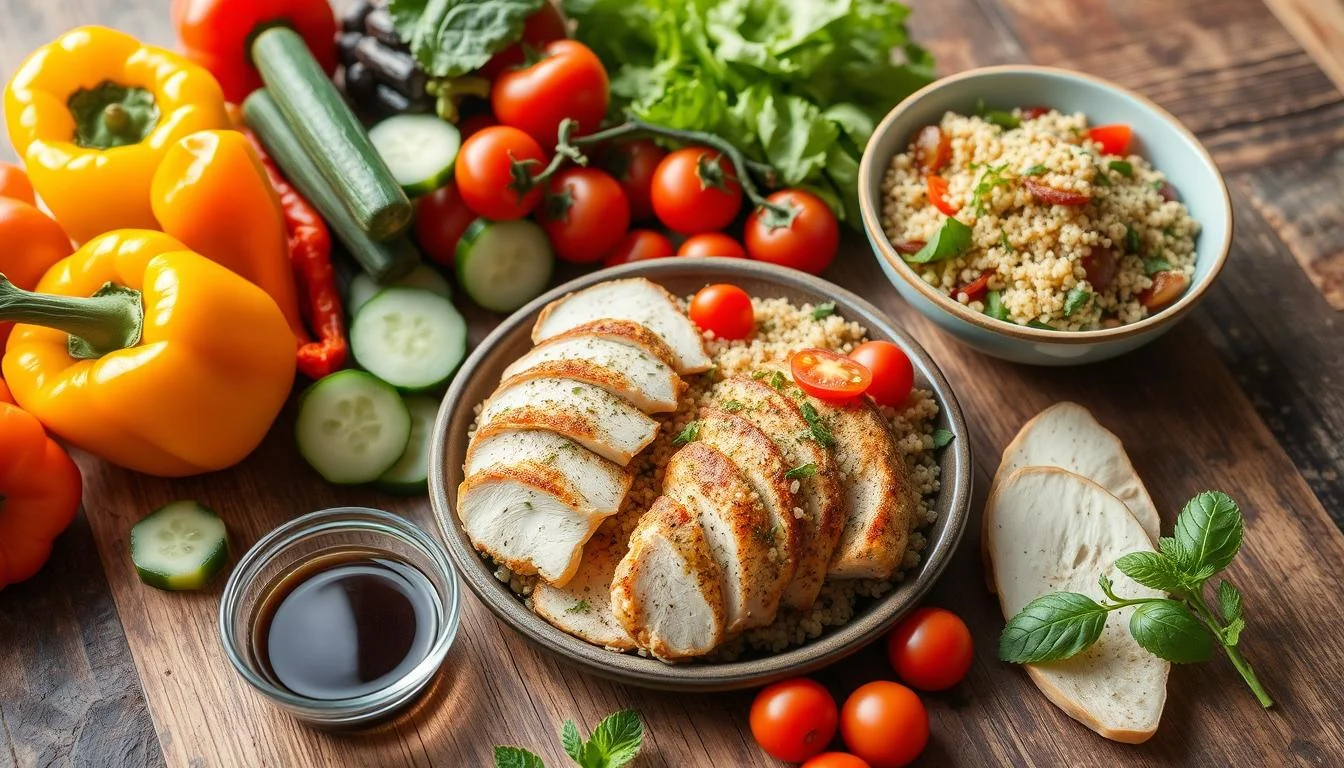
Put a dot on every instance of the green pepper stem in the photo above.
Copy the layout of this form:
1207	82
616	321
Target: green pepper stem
111	319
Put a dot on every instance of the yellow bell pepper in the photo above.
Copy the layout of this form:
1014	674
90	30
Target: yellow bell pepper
92	114
148	355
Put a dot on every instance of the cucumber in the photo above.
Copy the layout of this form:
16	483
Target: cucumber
330	133
182	545
382	260
410	475
363	287
419	150
352	427
410	338
502	265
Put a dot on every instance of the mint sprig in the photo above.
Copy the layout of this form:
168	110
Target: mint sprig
614	743
1181	629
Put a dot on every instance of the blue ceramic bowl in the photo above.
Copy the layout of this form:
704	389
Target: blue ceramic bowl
1158	137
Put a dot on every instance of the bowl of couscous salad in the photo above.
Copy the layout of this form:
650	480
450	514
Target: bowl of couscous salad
1043	216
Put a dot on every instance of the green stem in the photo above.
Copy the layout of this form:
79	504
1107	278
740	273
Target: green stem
448	93
1233	653
110	320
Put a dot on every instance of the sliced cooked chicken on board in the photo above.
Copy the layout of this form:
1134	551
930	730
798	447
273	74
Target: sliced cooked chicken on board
668	590
528	517
820	496
739	531
582	607
628	372
634	299
602	483
1048	530
586	414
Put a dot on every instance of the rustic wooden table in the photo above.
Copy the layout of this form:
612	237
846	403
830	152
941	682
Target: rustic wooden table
1247	397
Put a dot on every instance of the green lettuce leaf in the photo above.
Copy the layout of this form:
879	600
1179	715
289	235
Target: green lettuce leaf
453	37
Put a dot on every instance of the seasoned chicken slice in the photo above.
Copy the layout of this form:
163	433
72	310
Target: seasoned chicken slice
529	517
626	332
821	508
738	529
668	590
602	484
628	372
636	299
582	607
586	414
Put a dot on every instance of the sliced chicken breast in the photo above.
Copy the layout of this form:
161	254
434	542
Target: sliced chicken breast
668	591
821	508
586	414
738	529
602	483
637	299
582	607
628	372
528	517
627	332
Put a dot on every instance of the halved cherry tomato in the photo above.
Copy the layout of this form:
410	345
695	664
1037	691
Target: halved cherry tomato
724	309
808	243
540	28
977	288
1101	264
440	219
14	184
1031	113
712	244
638	245
885	724
485	176
694	191
1050	196
567	82
829	376
794	720
584	214
938	194
633	163
836	760
893	373
932	149
1113	139
931	649
1166	289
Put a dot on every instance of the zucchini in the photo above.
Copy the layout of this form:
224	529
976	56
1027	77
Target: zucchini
182	545
330	133
384	261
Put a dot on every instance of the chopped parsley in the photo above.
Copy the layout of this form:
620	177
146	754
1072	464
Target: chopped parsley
1156	264
941	437
993	176
805	470
1122	167
1132	243
733	406
1077	298
687	435
1157	185
823	310
820	432
777	380
1101	179
580	607
758	375
1036	170
994	306
1003	240
577	390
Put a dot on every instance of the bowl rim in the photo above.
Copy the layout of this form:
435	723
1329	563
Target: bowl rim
957	480
872	222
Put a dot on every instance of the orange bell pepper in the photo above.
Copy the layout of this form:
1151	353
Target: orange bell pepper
40	489
148	355
212	193
30	242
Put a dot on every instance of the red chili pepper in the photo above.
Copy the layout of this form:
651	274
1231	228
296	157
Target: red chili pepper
938	195
310	255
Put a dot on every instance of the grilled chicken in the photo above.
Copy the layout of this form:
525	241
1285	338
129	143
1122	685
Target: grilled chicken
582	607
634	299
626	371
601	483
668	590
626	332
738	529
586	414
820	496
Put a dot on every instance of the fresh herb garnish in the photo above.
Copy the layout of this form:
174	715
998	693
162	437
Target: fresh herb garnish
1005	120
941	438
806	470
1123	167
1003	240
1101	179
1077	298
1036	170
777	380
1157	185
732	406
580	607
1180	629
1037	324
1132	242
1156	264
615	743
951	240
758	375
820	432
993	176
688	435
449	39
994	306
823	310
577	390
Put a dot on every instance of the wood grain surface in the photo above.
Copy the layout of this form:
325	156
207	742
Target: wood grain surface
97	670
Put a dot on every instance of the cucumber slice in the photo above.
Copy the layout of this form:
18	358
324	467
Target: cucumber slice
410	338
363	287
352	427
502	265
419	150
410	475
182	545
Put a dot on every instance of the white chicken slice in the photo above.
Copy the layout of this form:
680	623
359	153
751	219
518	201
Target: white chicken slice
586	414
602	484
668	590
637	299
582	607
626	332
623	370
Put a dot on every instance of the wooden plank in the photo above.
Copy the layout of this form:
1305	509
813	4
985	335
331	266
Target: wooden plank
1319	27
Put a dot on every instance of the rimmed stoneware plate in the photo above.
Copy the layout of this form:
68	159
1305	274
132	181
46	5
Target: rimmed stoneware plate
480	374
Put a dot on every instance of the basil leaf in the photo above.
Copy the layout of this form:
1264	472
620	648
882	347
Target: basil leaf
1076	299
516	757
1229	601
941	438
1036	170
952	239
1038	325
569	736
994	306
1209	529
453	37
1052	627
805	470
823	310
1156	264
1168	630
687	435
1152	569
617	739
1122	167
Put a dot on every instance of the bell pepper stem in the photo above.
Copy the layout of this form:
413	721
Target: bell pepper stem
111	319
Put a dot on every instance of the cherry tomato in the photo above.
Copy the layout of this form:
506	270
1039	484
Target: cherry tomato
931	649
885	724
14	184
835	760
724	309
1166	289
829	376
1031	113
1050	196
1101	264
540	28
938	194
807	243
1113	139
893	374
485	172
440	219
585	214
470	126
638	245
932	149
794	720
712	244
694	191
977	288
568	81
633	163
